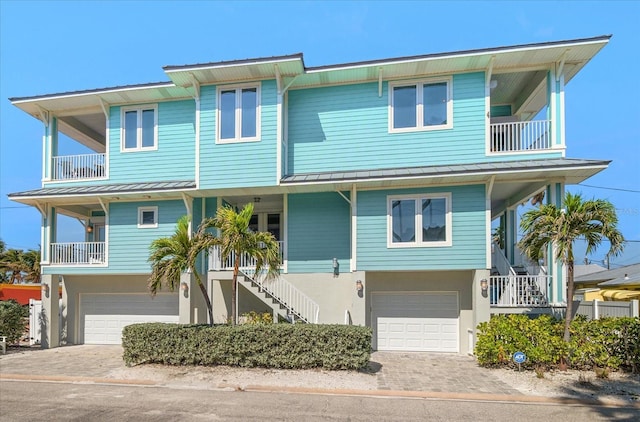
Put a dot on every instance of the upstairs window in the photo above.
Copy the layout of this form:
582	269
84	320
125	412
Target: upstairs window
419	220
239	113
139	128
147	217
422	105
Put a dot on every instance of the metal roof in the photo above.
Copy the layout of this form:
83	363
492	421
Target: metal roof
606	275
95	190
628	280
484	169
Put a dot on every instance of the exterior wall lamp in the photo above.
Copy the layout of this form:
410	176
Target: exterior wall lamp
45	289
89	228
185	289
359	286
484	286
336	267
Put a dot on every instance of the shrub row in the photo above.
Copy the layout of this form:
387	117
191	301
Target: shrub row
13	320
296	346
607	342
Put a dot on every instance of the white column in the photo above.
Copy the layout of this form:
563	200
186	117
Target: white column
50	318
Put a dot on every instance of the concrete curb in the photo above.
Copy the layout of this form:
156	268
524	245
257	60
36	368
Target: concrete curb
335	392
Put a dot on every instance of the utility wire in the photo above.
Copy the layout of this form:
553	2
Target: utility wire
603	187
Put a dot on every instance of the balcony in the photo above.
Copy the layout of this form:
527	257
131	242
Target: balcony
216	263
533	135
78	253
78	167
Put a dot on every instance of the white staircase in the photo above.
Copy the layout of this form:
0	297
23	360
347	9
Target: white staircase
283	297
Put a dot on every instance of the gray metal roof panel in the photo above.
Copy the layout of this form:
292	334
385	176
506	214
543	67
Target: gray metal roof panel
106	189
615	273
444	170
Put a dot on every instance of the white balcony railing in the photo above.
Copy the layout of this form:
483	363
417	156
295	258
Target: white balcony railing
216	263
78	167
78	253
532	135
519	290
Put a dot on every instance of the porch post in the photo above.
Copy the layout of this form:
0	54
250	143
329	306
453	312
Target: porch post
480	303
50	317
188	287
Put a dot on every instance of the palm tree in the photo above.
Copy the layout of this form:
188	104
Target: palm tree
237	239
174	255
12	262
592	220
31	265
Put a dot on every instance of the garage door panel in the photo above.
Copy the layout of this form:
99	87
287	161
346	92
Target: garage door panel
105	315
420	321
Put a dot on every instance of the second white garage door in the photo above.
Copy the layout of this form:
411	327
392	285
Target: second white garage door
416	321
105	315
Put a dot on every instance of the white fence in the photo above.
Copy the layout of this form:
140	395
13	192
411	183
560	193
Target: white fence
520	136
36	321
597	309
519	290
77	253
77	167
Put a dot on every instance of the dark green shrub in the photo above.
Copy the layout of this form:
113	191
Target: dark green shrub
252	345
504	335
604	343
13	320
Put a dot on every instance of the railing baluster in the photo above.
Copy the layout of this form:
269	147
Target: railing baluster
520	136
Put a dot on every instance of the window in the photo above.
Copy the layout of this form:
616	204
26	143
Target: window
419	220
239	113
423	105
139	128
147	217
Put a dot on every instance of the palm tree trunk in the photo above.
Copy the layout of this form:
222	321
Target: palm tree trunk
203	289
569	315
234	287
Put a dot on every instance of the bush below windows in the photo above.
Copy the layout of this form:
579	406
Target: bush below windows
608	342
286	346
13	320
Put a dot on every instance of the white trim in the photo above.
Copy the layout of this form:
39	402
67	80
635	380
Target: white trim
552	105
487	106
284	227
107	144
417	198
563	146
98	92
155	217
354	228
197	158
279	133
238	113
419	84
139	110
487	217
286	134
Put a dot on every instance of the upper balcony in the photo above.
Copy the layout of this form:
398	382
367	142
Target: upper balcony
78	167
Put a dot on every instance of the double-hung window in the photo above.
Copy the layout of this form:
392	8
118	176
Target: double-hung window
420	105
419	220
139	128
238	113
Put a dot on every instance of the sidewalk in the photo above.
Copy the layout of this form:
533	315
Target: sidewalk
425	375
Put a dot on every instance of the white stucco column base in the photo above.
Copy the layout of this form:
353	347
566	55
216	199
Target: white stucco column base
50	317
358	299
481	301
185	298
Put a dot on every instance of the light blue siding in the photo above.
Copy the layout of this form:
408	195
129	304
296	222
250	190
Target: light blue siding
318	231
242	164
346	128
173	160
128	245
468	250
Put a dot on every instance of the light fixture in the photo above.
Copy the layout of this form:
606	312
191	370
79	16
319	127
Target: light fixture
493	84
484	285
45	289
359	286
89	228
184	287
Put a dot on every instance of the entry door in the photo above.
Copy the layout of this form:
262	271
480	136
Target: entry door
266	222
98	232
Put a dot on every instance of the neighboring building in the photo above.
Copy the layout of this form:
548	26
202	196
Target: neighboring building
617	284
380	180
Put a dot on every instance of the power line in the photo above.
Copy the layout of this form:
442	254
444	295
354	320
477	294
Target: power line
603	187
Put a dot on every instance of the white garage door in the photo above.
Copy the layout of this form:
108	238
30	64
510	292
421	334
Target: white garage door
105	315
416	321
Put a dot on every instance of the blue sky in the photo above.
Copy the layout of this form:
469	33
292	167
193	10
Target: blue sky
49	47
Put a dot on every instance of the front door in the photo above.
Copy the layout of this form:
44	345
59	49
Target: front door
267	222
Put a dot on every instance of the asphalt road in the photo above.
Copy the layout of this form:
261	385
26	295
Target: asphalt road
53	401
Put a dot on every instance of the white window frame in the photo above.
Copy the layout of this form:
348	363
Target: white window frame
419	83
418	243
238	129
141	210
139	110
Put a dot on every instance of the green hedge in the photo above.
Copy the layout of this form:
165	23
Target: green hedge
606	342
13	320
253	345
